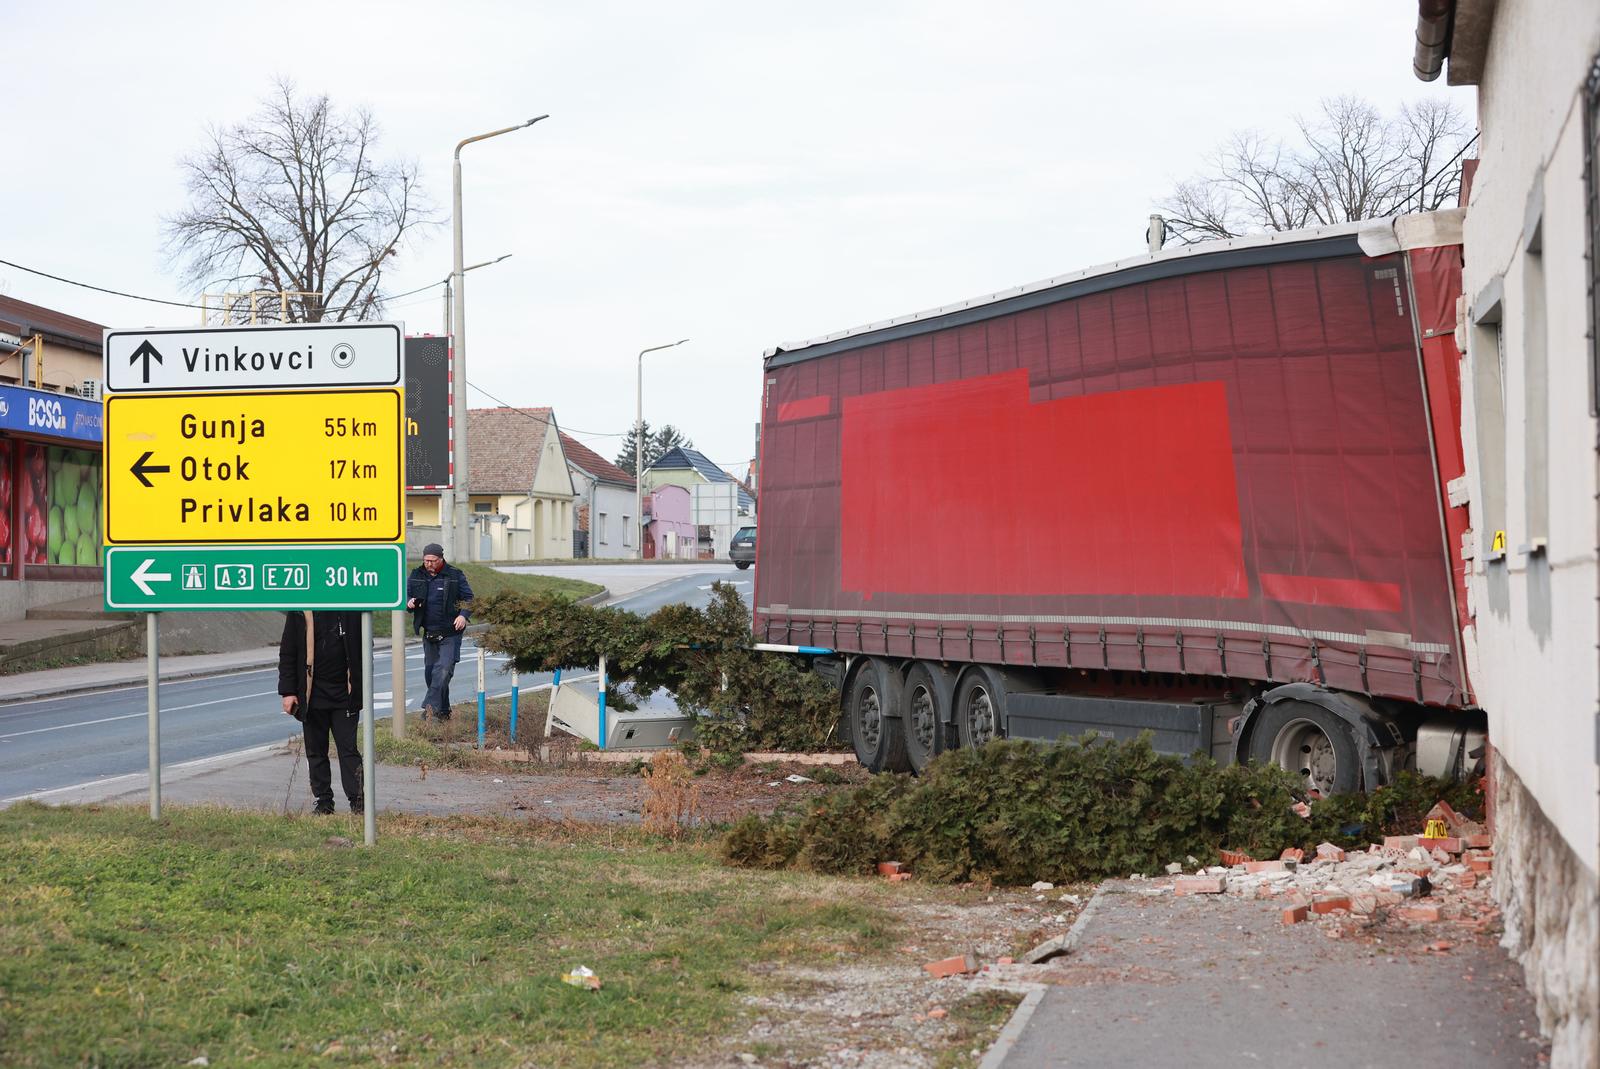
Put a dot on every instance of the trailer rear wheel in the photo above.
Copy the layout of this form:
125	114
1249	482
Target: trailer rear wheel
876	731
924	718
979	706
1309	742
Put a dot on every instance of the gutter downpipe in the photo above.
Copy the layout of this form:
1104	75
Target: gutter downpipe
1433	37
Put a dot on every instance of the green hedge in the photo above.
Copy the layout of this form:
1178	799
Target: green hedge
743	700
1014	812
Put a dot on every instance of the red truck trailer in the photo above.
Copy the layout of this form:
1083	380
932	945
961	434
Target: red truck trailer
1203	493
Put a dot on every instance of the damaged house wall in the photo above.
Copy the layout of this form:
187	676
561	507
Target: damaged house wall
1530	438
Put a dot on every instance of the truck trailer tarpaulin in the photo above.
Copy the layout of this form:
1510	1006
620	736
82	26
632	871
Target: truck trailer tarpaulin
1223	462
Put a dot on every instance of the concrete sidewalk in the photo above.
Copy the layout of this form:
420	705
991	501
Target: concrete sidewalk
1211	980
107	675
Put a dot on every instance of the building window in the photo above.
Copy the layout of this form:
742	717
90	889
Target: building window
1535	392
600	529
1487	352
411	518
483	506
627	530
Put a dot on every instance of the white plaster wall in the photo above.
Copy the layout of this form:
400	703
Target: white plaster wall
1532	642
616	503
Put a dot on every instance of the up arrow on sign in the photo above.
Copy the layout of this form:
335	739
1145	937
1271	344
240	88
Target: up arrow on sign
147	353
142	576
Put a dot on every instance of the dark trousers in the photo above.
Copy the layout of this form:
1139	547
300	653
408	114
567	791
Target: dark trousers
317	725
438	665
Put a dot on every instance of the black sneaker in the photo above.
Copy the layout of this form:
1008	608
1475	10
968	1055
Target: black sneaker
324	807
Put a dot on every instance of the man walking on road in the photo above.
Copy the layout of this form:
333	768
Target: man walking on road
319	680
435	594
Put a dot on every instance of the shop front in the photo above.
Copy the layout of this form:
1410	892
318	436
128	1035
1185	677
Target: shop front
49	492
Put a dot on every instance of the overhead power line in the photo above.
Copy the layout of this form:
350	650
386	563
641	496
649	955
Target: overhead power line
162	300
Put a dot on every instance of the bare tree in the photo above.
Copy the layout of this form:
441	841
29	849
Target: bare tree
1349	163
294	200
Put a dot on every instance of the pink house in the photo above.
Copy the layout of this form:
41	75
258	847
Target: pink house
668	531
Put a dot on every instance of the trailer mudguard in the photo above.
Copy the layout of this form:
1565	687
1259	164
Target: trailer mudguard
1375	732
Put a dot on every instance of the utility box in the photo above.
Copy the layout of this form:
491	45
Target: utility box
575	708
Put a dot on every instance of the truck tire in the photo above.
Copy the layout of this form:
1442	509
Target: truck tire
741	564
1309	742
871	704
925	719
979	708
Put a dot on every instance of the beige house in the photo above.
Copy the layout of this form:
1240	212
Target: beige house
49	350
521	490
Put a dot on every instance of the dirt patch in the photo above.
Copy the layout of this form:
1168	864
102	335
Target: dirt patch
589	791
895	1014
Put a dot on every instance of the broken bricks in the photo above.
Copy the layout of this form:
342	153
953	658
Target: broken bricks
1200	885
965	963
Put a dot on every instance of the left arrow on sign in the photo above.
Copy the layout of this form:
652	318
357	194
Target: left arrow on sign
142	577
147	353
140	469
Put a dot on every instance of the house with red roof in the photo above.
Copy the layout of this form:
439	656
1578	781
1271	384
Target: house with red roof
604	502
521	495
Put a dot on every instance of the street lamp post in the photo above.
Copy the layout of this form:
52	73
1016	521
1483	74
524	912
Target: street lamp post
457	519
638	451
449	291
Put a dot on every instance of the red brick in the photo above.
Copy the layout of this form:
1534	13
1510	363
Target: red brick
1329	852
1293	853
1199	885
1451	845
1008	960
898	877
1480	864
1399	842
889	868
1331	904
1478	842
1234	857
952	966
938	1013
1466	880
1295	915
1265	866
1420	914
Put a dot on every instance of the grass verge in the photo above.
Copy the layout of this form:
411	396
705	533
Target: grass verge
487	581
249	938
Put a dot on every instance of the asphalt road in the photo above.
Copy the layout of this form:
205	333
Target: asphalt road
57	742
693	589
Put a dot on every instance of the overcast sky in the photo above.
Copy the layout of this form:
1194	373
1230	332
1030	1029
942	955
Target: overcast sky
741	174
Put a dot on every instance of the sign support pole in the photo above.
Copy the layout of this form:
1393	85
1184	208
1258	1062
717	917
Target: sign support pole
397	672
152	682
369	742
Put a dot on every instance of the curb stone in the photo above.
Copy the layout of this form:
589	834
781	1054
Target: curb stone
996	1056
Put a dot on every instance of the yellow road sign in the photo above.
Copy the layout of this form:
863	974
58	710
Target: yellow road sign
322	466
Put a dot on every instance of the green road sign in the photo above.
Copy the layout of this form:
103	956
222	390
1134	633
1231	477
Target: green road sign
153	578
